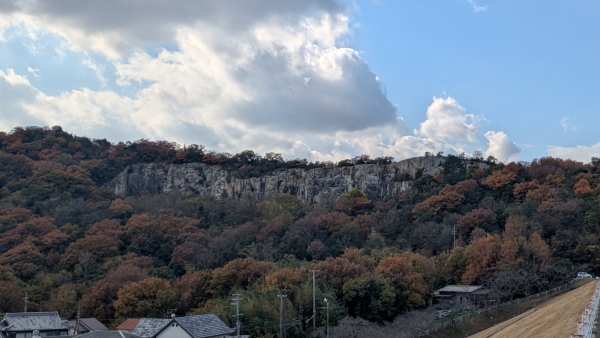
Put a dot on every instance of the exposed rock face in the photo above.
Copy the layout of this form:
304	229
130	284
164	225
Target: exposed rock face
376	180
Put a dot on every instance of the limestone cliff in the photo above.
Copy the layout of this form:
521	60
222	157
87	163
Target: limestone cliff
376	180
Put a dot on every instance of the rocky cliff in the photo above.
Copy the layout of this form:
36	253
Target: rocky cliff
376	180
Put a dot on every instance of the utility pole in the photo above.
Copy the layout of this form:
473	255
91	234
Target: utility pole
236	298
281	297
454	233
78	317
327	302
25	300
314	318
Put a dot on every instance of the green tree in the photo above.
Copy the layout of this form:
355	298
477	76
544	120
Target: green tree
370	297
453	170
151	297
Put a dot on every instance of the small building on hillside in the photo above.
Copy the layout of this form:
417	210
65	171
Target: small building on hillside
199	326
86	325
128	325
22	325
463	296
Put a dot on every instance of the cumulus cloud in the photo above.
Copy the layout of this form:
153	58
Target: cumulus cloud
85	111
501	147
271	76
112	27
446	119
579	153
15	95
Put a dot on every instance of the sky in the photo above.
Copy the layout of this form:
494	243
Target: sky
315	79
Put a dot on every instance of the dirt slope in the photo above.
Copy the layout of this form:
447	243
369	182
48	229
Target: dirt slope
557	317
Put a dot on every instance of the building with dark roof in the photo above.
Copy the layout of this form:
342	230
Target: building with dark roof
149	327
107	334
86	325
199	326
22	324
464	296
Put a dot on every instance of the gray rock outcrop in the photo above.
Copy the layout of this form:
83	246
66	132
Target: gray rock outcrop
312	186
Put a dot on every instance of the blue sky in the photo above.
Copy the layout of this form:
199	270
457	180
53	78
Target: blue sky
525	65
319	79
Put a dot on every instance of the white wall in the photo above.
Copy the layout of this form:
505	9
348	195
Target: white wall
173	332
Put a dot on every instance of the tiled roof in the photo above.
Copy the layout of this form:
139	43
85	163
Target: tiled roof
148	327
92	324
460	288
28	321
129	324
204	326
107	334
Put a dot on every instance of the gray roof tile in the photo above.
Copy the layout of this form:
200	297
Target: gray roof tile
148	327
92	324
28	321
107	334
204	326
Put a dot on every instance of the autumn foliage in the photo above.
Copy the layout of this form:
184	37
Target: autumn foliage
67	237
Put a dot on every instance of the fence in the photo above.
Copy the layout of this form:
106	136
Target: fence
585	328
468	315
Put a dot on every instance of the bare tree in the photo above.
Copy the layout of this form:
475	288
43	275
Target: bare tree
86	262
527	280
408	325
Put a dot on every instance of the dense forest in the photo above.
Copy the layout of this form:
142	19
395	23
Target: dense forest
67	239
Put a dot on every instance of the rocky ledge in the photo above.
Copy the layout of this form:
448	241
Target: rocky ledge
312	186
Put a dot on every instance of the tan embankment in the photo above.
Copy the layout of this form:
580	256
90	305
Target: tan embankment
557	317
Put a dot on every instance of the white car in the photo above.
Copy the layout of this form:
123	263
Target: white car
584	275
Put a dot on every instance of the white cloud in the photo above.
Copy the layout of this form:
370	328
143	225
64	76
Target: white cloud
113	27
163	112
448	120
84	111
475	7
271	76
579	153
98	70
33	72
501	147
233	91
565	123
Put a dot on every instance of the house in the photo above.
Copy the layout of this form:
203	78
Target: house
128	325
463	296
107	334
86	325
22	325
199	326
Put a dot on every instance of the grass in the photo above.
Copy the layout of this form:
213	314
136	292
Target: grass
486	320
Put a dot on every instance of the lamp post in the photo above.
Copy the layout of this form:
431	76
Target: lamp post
327	307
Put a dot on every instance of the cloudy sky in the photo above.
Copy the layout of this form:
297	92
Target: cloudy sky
317	79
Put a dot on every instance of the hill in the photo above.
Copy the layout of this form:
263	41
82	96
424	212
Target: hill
166	235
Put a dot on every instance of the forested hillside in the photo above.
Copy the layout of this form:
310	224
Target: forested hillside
521	227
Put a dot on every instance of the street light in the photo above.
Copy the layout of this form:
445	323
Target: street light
327	307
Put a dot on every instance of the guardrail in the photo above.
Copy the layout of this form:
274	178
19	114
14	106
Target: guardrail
585	327
515	301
